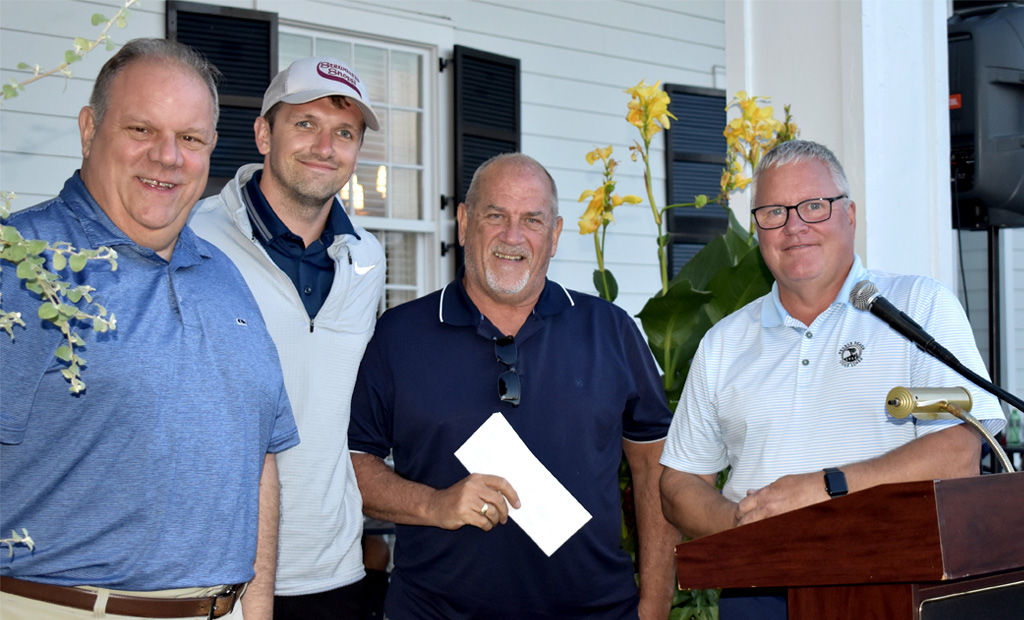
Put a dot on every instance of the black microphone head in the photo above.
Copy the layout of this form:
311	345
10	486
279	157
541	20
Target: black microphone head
862	294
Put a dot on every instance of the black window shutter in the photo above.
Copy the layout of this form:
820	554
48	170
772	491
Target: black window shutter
487	120
242	43
694	157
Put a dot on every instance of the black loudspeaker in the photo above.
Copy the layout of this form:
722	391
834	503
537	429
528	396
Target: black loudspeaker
986	116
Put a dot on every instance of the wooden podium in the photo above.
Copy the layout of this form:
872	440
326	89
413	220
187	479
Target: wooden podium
921	550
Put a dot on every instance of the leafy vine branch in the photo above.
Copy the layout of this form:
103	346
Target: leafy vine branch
58	299
82	46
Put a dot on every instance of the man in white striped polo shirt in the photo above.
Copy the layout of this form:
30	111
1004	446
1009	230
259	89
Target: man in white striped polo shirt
790	390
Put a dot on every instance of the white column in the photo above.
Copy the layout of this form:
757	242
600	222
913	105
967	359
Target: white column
868	79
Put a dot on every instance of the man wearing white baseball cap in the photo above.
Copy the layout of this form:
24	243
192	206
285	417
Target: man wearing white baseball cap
318	280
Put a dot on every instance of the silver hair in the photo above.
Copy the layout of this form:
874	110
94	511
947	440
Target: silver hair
153	49
517	160
797	152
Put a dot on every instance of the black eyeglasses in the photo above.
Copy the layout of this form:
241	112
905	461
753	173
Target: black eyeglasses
812	211
508	382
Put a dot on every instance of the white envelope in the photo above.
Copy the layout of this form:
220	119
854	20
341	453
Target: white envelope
549	514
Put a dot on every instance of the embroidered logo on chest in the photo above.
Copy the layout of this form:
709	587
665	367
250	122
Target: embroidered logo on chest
851	353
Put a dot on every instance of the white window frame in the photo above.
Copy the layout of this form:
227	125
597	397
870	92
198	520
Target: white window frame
435	226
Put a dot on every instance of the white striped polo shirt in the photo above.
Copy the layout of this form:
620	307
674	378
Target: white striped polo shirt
770	396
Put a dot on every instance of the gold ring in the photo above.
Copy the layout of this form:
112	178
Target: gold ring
483	510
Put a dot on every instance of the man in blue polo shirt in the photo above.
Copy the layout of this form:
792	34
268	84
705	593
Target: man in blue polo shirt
319	281
572	376
153	493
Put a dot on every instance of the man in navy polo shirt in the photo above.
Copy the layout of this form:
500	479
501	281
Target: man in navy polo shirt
572	376
146	492
319	281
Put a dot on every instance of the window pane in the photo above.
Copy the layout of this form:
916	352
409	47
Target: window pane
363	193
405	137
335	49
371	63
397	297
391	178
405	79
292	47
404	189
375	143
400	250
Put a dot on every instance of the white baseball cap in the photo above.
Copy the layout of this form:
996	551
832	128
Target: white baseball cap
309	79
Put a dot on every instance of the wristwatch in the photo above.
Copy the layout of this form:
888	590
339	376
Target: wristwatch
835	482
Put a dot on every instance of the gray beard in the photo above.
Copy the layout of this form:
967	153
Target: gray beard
498	286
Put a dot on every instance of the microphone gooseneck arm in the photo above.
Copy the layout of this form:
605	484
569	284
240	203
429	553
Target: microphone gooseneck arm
936	403
865	297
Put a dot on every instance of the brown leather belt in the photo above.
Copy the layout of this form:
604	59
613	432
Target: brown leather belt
122	605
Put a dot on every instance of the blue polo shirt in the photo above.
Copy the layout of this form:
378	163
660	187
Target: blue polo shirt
149	479
311	269
428	380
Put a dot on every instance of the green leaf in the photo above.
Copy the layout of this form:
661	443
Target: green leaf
82	43
24	66
16	254
70	56
78	262
606	285
111	46
47	311
674	324
36	246
10	234
26	270
10	92
98	19
63	353
59	261
741	284
67	310
75	295
706	263
122	21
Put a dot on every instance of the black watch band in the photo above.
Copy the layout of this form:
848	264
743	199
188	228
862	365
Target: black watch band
835	482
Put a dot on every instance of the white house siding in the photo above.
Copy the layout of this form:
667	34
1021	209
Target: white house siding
39	139
576	59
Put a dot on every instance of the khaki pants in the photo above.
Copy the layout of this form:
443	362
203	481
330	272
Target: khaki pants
21	608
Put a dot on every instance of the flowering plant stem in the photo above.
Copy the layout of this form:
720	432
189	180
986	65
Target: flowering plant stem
726	274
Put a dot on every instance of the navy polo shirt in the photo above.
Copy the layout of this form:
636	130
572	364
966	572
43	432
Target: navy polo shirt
311	269
429	379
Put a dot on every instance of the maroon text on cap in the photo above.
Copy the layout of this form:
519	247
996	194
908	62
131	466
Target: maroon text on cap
338	73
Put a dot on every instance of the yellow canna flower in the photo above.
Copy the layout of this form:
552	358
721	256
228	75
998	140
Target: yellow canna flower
590	221
759	114
599	153
648	110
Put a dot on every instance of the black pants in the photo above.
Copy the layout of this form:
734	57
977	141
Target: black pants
345	603
753	604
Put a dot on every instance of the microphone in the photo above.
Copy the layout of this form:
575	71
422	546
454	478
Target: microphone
865	297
